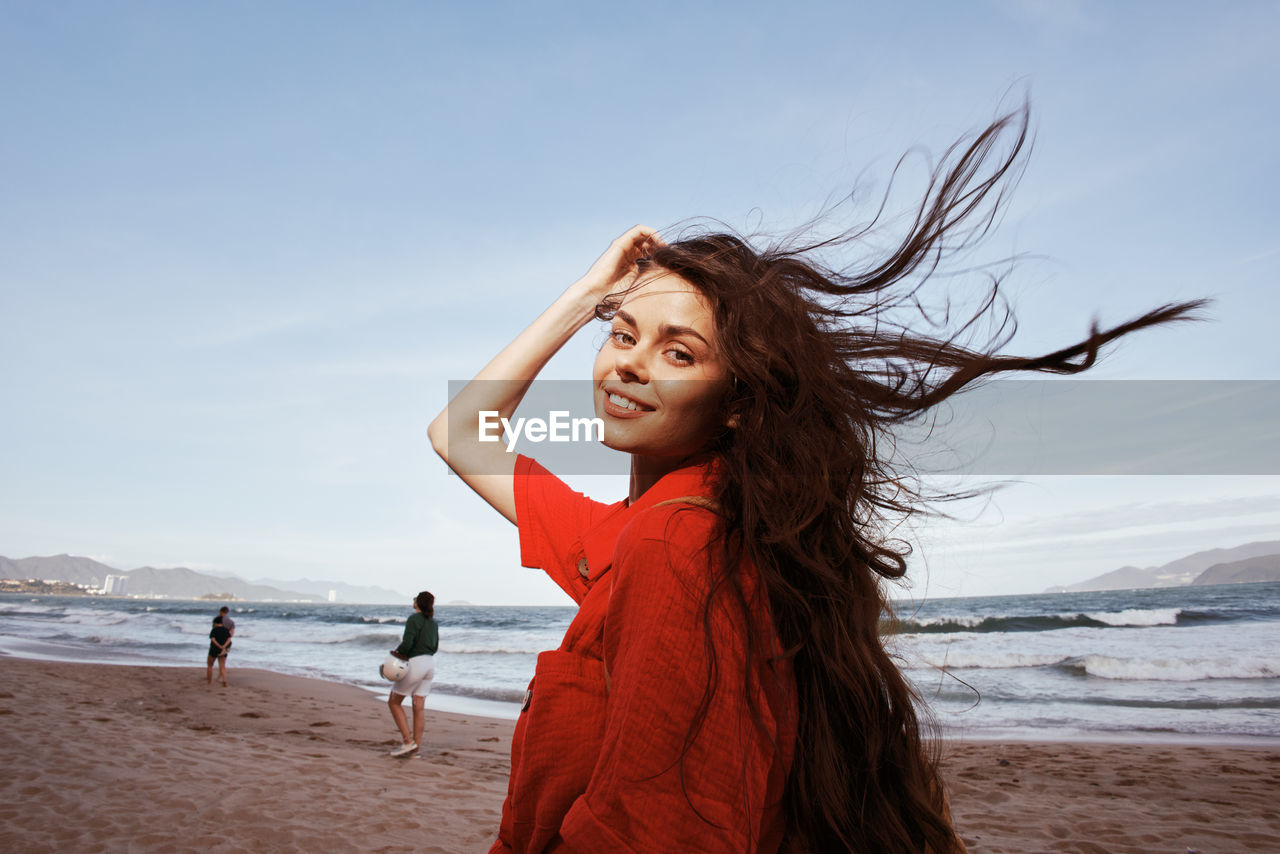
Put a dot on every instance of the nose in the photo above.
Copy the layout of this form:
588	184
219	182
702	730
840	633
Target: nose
630	366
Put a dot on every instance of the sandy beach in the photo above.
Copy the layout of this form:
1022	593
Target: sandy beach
122	758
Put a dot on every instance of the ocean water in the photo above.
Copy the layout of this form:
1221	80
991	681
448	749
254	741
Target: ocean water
1200	662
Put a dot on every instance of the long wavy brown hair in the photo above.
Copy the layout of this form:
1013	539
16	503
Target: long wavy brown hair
826	361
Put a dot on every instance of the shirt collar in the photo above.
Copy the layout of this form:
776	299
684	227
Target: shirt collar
693	479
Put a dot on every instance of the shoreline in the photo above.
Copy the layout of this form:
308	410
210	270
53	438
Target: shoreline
441	701
1128	675
469	706
105	758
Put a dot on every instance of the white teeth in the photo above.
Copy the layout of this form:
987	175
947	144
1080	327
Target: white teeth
619	400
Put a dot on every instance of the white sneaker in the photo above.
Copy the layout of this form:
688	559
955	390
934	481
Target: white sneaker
405	749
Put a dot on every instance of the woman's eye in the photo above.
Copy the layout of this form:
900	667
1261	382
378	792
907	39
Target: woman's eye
621	336
680	356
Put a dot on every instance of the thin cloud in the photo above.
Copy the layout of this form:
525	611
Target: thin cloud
1266	253
1133	518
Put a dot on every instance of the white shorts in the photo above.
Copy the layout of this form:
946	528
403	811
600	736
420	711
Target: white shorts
422	669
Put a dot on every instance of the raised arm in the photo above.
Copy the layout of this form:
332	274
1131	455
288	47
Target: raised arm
487	467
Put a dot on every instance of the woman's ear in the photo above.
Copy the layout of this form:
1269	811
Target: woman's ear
732	421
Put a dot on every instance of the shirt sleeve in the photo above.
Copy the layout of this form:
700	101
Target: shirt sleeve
552	518
433	632
658	785
411	628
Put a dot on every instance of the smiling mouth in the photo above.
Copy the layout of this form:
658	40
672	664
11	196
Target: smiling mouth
626	403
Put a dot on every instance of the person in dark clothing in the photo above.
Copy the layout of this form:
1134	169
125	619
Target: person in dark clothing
219	643
418	647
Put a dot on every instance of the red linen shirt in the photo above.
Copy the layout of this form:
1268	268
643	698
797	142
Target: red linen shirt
601	758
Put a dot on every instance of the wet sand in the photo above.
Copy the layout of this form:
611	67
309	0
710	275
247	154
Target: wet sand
116	758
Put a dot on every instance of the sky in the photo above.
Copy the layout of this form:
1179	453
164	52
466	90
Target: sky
244	248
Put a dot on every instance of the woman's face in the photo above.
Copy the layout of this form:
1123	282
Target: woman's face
659	380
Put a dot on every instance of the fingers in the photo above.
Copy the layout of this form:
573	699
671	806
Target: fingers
637	232
638	240
616	268
628	249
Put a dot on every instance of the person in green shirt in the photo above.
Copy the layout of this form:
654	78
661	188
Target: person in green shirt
418	648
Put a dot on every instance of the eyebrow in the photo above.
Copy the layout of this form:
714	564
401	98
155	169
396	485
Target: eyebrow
667	330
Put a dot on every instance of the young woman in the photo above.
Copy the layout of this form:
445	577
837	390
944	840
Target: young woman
417	646
724	685
219	645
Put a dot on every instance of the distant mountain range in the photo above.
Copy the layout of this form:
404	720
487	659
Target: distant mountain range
183	583
1252	562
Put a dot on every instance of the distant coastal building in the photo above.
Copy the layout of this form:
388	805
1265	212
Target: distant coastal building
116	584
333	595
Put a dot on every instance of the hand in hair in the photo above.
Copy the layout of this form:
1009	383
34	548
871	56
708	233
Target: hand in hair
616	268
